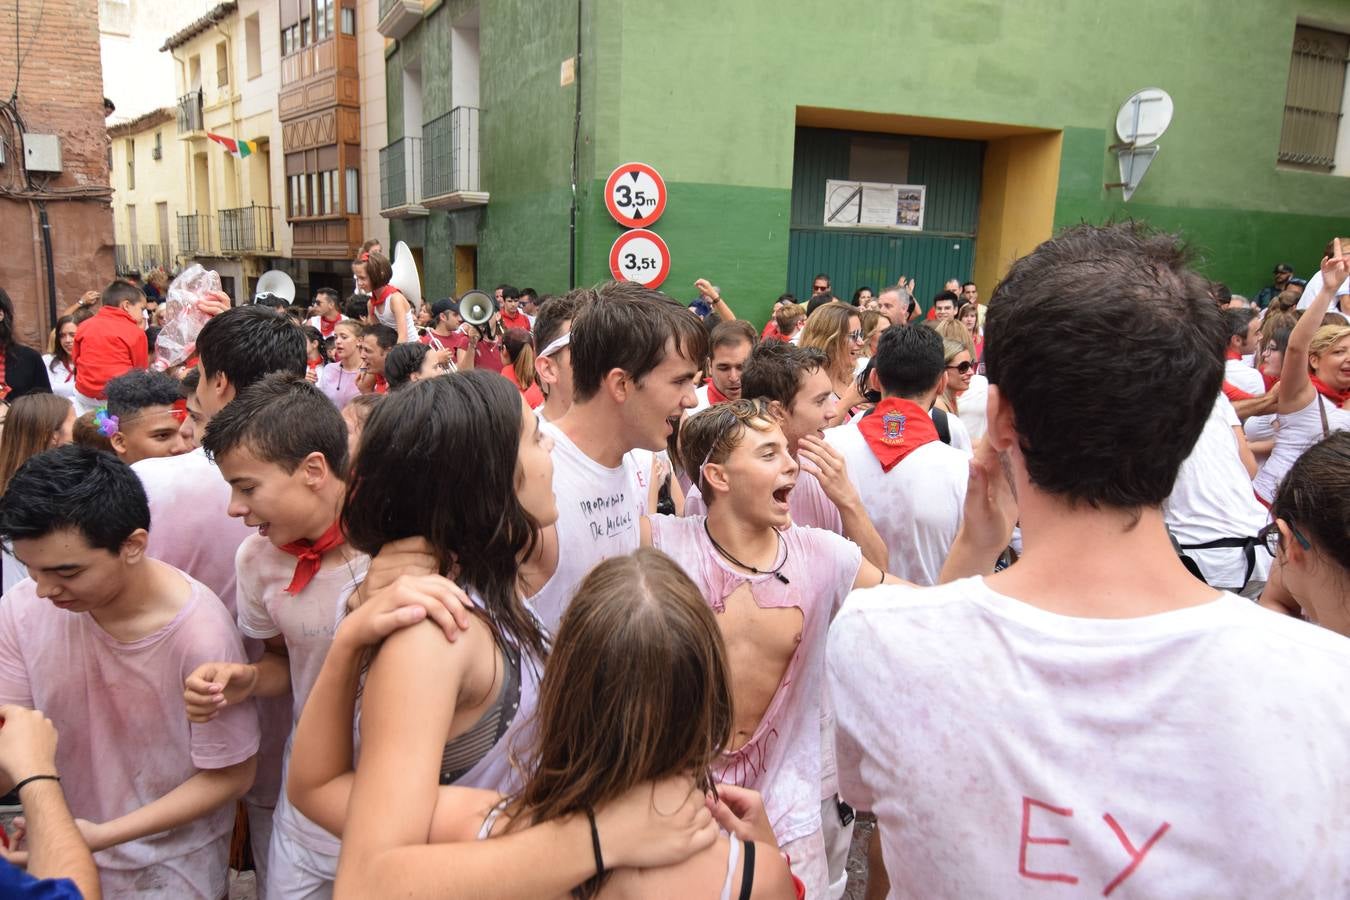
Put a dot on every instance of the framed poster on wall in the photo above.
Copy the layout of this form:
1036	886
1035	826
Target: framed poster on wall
865	204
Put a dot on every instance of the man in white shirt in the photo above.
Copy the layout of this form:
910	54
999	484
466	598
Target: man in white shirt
912	485
1093	716
634	355
731	342
1244	333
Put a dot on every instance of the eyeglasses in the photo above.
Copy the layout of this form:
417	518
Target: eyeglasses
856	335
963	368
1269	537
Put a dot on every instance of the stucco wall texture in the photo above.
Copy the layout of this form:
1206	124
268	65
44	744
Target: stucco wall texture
57	74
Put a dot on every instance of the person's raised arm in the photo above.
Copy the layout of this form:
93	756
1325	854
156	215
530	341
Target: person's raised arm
714	298
1296	390
55	847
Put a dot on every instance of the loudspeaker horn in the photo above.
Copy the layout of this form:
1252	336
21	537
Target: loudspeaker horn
476	307
276	283
405	276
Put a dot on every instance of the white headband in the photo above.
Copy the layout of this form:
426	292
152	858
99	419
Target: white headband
557	344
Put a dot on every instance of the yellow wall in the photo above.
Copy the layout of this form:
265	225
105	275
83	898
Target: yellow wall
1017	202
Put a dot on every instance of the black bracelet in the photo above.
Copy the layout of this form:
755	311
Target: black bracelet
595	842
31	778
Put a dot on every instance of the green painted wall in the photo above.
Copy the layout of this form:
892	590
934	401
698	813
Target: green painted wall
708	93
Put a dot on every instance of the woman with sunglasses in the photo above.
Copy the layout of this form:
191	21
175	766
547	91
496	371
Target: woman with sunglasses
1307	536
837	329
967	391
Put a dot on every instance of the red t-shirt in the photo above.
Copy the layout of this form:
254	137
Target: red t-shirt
519	320
533	395
486	356
111	343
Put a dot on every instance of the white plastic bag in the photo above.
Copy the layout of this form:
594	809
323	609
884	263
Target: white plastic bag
183	318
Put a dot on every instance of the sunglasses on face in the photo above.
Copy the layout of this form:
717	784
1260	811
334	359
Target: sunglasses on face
856	335
962	368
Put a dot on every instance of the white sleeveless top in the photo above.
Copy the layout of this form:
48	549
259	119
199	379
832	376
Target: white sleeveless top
1298	431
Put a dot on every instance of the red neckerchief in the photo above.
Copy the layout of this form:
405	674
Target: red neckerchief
1233	354
310	555
1234	393
380	295
1270	380
381	385
314	363
895	429
1326	390
327	327
714	395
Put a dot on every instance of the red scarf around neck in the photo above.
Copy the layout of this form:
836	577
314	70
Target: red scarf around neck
895	429
381	294
714	395
310	555
1326	390
327	327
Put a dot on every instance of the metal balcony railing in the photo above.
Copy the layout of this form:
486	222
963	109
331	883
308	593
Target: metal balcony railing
124	261
401	174
190	112
154	256
450	149
245	229
194	234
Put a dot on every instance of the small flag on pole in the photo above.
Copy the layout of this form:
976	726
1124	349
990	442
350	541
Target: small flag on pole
239	149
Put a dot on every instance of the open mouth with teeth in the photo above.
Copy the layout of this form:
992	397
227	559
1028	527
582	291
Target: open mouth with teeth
780	495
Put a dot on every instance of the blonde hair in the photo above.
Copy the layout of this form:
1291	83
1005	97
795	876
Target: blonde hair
827	329
1324	339
953	330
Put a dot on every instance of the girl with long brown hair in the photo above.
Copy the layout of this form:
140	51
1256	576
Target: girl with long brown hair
836	328
518	364
34	423
60	366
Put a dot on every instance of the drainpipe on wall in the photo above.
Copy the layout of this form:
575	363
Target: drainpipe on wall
576	140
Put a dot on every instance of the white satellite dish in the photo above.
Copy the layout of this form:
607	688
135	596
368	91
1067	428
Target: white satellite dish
1144	117
277	283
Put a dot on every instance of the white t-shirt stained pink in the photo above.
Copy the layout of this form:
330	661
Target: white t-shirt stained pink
1008	751
598	511
125	737
783	760
307	622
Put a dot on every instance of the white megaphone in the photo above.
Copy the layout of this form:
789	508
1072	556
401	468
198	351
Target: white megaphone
477	307
405	277
275	283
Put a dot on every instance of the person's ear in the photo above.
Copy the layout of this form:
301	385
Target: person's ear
118	441
133	548
1290	549
714	478
873	382
617	385
1001	429
777	410
544	368
314	469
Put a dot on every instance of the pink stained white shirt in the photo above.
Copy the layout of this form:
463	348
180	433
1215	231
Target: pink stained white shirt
125	737
1008	751
783	759
307	622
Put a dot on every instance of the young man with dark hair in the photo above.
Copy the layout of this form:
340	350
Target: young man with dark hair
1244	334
634	355
144	416
109	344
944	305
731	343
774	586
100	638
795	383
529	303
553	361
282	447
327	311
1120	722
509	309
912	485
376	342
357	308
239	347
820	284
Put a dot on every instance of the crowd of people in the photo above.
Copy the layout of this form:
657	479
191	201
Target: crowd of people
608	595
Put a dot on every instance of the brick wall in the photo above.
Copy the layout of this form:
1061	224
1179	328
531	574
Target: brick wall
60	91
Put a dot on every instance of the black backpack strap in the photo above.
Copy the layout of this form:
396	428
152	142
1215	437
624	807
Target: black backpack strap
944	429
1248	545
748	872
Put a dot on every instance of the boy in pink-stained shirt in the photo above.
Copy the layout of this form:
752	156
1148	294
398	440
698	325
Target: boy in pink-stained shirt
100	638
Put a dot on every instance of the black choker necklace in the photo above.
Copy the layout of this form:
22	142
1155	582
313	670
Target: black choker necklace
776	572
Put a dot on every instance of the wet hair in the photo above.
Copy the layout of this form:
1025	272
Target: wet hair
1315	497
356	307
1156	351
711	435
248	342
121	291
827	329
519	345
1238	321
75	487
86	433
469	512
909	361
378	270
776	370
385	336
638	650
281	420
629	327
29	426
132	392
555	311
403	362
59	354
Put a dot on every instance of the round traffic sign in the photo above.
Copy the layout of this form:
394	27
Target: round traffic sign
635	195
640	255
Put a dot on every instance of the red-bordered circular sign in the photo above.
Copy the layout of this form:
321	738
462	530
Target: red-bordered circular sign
635	195
640	255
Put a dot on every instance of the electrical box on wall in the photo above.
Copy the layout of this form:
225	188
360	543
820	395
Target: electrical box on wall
42	153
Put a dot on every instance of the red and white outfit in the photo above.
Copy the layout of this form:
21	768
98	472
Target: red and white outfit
326	326
383	309
519	320
61	376
784	759
111	343
707	395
